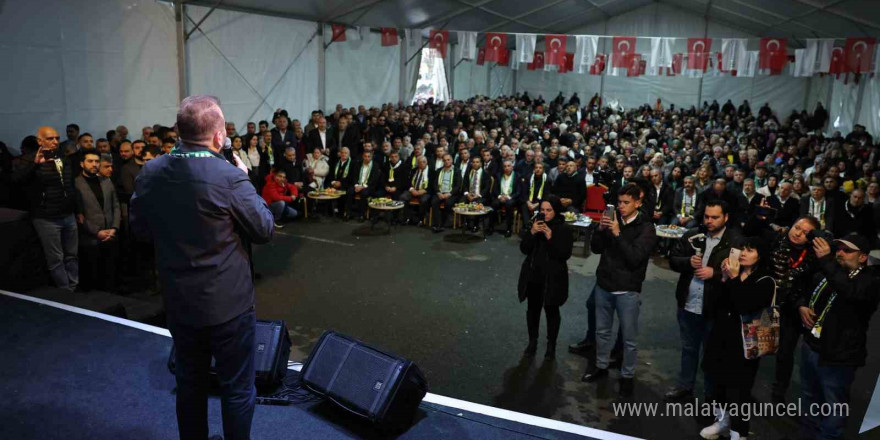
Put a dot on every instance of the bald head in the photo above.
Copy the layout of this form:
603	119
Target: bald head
48	138
200	121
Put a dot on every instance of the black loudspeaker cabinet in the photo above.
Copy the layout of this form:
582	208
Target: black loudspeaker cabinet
378	386
271	353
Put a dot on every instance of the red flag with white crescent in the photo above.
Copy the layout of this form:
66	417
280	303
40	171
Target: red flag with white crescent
504	58
537	61
438	40
481	56
858	54
677	61
568	63
623	48
496	43
838	62
555	50
598	64
338	32
698	53
773	54
389	36
635	65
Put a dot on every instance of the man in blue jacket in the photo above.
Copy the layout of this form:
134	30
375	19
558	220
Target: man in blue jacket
201	211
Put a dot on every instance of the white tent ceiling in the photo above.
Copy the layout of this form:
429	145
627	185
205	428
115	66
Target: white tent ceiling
795	19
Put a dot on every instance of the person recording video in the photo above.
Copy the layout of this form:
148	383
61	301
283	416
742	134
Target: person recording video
200	211
543	277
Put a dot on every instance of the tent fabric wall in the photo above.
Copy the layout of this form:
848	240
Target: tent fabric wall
414	58
470	80
842	110
870	113
362	72
96	63
264	49
500	81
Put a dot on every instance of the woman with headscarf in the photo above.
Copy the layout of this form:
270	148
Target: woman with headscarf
543	277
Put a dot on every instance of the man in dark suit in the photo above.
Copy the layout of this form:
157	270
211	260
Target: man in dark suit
98	216
699	284
820	207
747	201
786	206
477	188
202	236
659	198
345	135
282	137
445	190
491	165
395	177
366	183
418	188
340	178
506	194
570	188
322	138
533	189
717	191
684	205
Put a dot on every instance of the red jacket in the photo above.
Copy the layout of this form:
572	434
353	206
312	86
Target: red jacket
273	192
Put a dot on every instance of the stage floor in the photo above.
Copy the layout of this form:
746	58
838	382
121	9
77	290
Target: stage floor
68	375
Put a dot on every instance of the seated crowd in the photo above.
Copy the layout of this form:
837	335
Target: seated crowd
723	168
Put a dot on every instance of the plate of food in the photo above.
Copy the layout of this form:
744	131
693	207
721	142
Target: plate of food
570	216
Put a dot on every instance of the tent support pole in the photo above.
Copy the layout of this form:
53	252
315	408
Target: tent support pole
179	24
401	71
859	99
322	83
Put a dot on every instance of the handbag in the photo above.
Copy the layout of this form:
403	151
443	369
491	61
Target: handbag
760	331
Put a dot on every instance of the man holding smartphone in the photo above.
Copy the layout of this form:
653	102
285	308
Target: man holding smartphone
48	181
201	211
625	242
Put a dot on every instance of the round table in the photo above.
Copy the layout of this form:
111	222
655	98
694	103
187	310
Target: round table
663	231
582	223
321	196
388	208
470	213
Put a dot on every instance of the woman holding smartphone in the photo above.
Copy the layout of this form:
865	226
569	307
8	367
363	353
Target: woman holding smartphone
747	288
543	278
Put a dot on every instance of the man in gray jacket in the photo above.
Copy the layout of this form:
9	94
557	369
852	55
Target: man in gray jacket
98	216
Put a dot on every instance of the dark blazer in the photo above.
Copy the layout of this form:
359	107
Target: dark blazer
313	140
678	202
679	261
786	213
667	200
830	211
494	168
279	143
552	256
745	208
50	194
337	173
485	184
201	213
434	187
571	187
708	194
515	194
401	177
524	188
374	180
350	138
96	218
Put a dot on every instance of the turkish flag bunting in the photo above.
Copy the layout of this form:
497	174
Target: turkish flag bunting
481	56
555	49
773	54
537	61
389	36
623	50
698	53
677	61
495	44
858	54
338	32
503	58
438	41
567	63
598	64
635	65
838	61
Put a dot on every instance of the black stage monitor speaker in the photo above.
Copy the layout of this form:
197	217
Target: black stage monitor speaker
380	387
271	352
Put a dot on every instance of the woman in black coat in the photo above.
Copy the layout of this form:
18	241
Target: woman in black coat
747	289
543	278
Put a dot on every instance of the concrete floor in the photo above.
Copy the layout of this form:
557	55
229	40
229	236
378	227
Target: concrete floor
452	309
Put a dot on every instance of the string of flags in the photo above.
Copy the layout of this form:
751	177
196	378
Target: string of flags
699	56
